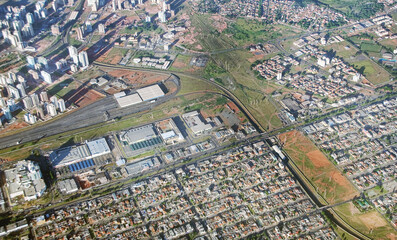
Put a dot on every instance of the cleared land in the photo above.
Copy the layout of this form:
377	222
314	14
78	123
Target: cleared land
235	73
136	78
389	43
372	71
370	222
181	63
191	85
115	55
327	179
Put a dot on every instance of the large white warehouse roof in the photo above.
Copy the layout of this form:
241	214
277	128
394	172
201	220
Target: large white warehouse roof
129	100
151	92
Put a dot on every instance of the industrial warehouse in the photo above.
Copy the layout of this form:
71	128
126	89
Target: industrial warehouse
143	94
139	138
79	157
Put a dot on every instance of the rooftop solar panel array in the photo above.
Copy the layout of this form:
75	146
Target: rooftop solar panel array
81	165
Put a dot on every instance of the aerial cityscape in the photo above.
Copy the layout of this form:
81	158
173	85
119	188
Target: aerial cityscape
198	119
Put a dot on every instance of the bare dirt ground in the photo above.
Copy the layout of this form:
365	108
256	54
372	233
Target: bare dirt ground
115	59
84	97
151	9
316	167
178	63
365	81
42	45
14	126
257	55
103	56
318	159
391	236
137	78
189	38
372	220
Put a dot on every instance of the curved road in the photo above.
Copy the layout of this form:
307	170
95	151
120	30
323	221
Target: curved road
65	33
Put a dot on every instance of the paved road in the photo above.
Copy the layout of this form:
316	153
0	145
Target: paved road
86	116
64	39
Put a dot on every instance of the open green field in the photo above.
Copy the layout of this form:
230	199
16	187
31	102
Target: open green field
239	33
62	88
374	73
89	74
181	64
249	31
323	175
115	55
342	5
370	223
252	92
75	42
191	85
96	38
370	47
343	49
389	43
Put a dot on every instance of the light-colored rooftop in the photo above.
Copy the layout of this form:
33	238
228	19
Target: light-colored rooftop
141	166
138	134
125	101
66	156
195	122
151	92
98	147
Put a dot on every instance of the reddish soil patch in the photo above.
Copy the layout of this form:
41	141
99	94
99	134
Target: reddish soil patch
341	180
269	90
42	45
318	159
233	107
137	78
84	96
316	167
131	19
115	59
189	38
112	91
151	9
256	56
391	236
14	126
12	66
366	82
179	64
